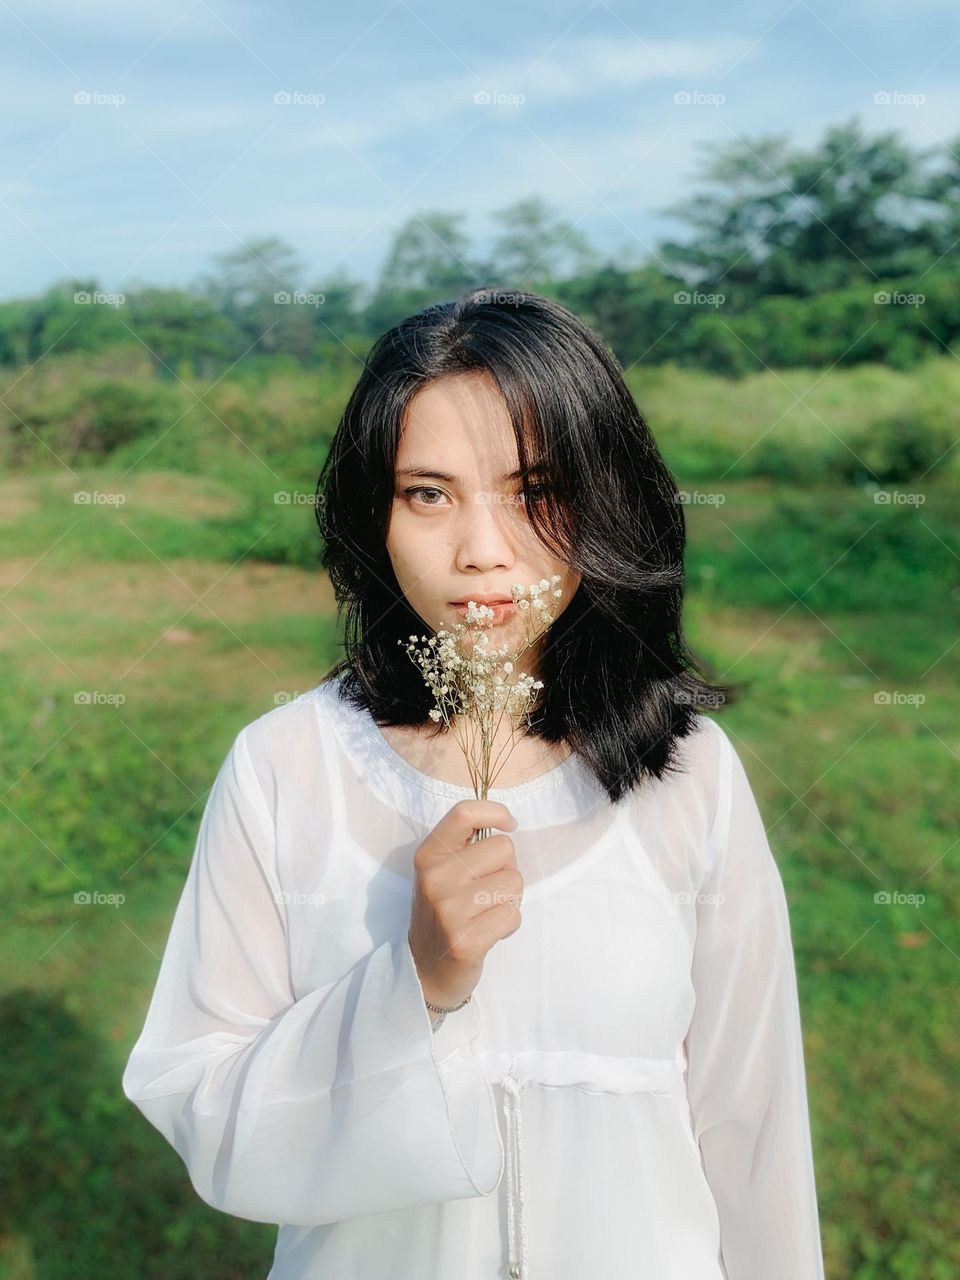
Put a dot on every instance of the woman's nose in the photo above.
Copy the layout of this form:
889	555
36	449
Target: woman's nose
484	540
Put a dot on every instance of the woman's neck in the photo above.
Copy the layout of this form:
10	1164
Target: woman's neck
516	758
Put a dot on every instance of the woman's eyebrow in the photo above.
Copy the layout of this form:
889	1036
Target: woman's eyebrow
424	473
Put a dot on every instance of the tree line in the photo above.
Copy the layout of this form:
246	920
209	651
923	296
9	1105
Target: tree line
835	254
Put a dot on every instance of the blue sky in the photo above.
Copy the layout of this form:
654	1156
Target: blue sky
183	151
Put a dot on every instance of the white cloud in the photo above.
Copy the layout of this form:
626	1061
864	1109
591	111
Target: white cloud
586	69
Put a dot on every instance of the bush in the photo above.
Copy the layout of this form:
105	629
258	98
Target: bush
839	551
122	411
906	444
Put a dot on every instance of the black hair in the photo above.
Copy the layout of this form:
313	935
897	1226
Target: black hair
621	686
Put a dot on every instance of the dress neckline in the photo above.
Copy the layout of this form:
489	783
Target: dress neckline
360	734
543	782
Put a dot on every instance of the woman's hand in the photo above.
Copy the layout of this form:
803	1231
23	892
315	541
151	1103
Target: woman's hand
466	898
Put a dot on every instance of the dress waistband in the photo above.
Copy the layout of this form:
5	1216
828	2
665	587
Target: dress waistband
561	1068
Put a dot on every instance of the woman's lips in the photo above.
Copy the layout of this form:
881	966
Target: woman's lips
501	612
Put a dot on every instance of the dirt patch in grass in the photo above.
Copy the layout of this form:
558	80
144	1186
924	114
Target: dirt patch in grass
165	630
16	500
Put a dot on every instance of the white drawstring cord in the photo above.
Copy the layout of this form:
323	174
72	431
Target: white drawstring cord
564	1069
516	1227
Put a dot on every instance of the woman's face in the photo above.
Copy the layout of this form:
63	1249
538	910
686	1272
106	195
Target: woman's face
458	529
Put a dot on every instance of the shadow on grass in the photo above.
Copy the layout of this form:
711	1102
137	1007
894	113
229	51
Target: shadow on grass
87	1187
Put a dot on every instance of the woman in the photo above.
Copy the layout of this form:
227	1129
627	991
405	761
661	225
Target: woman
572	1047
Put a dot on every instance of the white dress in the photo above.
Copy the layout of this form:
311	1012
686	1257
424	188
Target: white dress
623	1096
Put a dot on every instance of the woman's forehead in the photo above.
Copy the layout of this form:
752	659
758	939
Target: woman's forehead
453	430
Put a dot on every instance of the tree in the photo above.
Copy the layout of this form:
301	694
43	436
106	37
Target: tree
430	254
176	326
535	245
75	315
253	288
941	233
784	220
428	261
338	320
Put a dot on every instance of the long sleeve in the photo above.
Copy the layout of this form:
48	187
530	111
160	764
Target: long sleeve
300	1111
746	1077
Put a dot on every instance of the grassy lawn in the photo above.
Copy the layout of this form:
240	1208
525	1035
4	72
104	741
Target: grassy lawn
814	596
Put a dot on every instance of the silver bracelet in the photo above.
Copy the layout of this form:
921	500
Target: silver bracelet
434	1008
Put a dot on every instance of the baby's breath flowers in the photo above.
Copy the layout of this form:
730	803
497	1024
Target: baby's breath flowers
476	686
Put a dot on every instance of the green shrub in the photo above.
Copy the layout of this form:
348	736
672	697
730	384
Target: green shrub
906	444
839	550
122	411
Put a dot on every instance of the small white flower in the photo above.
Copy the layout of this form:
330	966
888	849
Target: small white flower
475	684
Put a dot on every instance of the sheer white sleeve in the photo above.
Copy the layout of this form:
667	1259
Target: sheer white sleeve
746	1077
300	1111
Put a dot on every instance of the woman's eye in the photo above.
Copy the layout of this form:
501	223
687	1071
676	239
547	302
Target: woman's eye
424	489
429	496
536	491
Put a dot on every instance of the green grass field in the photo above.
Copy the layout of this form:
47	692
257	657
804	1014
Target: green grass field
196	601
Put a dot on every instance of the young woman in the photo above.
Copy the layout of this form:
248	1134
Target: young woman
572	1047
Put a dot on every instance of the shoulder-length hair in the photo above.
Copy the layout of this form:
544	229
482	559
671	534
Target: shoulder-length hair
621	686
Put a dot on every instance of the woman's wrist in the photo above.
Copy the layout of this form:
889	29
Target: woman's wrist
438	1014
